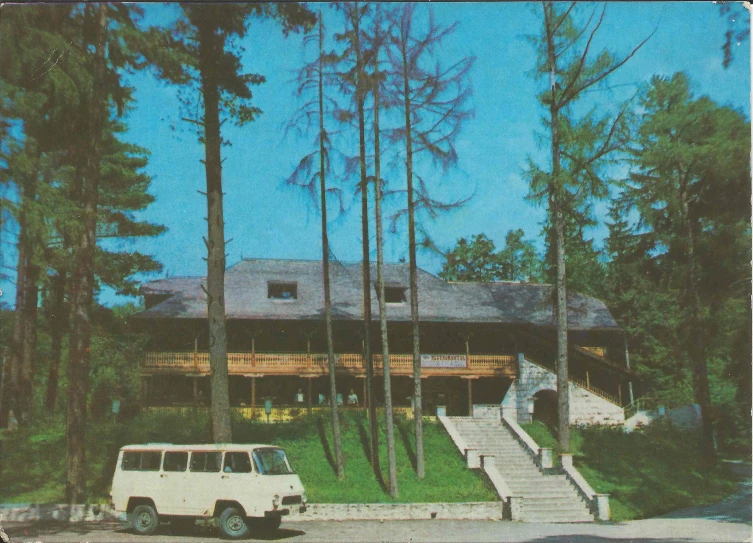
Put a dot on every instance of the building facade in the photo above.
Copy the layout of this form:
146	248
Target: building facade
481	343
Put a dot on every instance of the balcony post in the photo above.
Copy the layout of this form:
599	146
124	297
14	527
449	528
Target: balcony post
619	393
588	380
467	351
196	353
253	351
195	392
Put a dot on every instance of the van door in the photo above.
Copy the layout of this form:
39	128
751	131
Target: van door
141	471
173	487
203	483
239	482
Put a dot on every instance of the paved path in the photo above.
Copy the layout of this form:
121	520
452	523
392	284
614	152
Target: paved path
439	531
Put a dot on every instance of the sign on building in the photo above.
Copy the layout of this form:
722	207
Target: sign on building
443	361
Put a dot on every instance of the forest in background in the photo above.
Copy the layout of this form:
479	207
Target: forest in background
673	166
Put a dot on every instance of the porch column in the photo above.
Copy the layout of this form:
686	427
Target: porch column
195	392
470	397
363	398
253	392
308	395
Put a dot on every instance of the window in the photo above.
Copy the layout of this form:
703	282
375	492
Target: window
271	461
282	291
141	461
394	295
206	461
237	462
175	461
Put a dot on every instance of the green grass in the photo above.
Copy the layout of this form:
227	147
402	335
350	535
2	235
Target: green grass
32	461
646	473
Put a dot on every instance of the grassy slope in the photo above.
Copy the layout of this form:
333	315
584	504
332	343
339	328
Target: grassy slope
646	473
32	460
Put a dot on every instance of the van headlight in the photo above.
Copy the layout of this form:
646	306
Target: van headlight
304	499
276	501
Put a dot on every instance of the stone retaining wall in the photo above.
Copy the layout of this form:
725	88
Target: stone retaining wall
403	511
316	511
585	407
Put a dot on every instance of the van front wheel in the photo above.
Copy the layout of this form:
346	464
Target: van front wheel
233	523
144	520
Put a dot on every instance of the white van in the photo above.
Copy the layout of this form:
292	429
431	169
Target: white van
247	487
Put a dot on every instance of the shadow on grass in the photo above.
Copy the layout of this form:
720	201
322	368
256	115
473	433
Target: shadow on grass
363	434
402	427
325	445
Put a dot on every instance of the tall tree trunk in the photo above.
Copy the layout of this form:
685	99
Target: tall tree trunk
82	292
28	358
413	265
558	220
391	465
696	348
210	44
57	320
366	269
325	267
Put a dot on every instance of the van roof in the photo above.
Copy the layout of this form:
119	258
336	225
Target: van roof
196	447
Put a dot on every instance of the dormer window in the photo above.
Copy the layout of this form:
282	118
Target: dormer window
394	295
282	291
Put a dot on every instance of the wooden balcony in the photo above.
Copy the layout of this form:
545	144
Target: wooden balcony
315	364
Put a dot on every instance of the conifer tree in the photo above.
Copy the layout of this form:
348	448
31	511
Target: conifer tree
580	147
433	100
355	84
689	184
311	80
376	76
207	33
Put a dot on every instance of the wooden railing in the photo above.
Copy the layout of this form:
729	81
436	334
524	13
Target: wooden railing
317	363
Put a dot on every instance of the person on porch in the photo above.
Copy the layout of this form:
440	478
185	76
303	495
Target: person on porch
352	398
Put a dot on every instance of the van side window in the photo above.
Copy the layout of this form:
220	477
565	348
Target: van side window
206	461
237	462
175	461
141	461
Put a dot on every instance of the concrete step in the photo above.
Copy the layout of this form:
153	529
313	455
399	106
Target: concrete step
546	497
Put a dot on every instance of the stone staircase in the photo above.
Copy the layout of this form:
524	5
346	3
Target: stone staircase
545	497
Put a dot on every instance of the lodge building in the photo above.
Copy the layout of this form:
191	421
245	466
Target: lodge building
481	343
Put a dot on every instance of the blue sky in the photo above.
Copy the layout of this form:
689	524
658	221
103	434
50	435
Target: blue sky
267	220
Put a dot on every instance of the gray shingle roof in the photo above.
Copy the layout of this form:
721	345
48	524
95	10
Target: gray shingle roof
439	301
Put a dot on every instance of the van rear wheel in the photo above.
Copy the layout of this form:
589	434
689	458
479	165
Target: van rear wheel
233	523
144	520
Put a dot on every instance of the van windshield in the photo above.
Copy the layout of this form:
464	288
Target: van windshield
271	461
